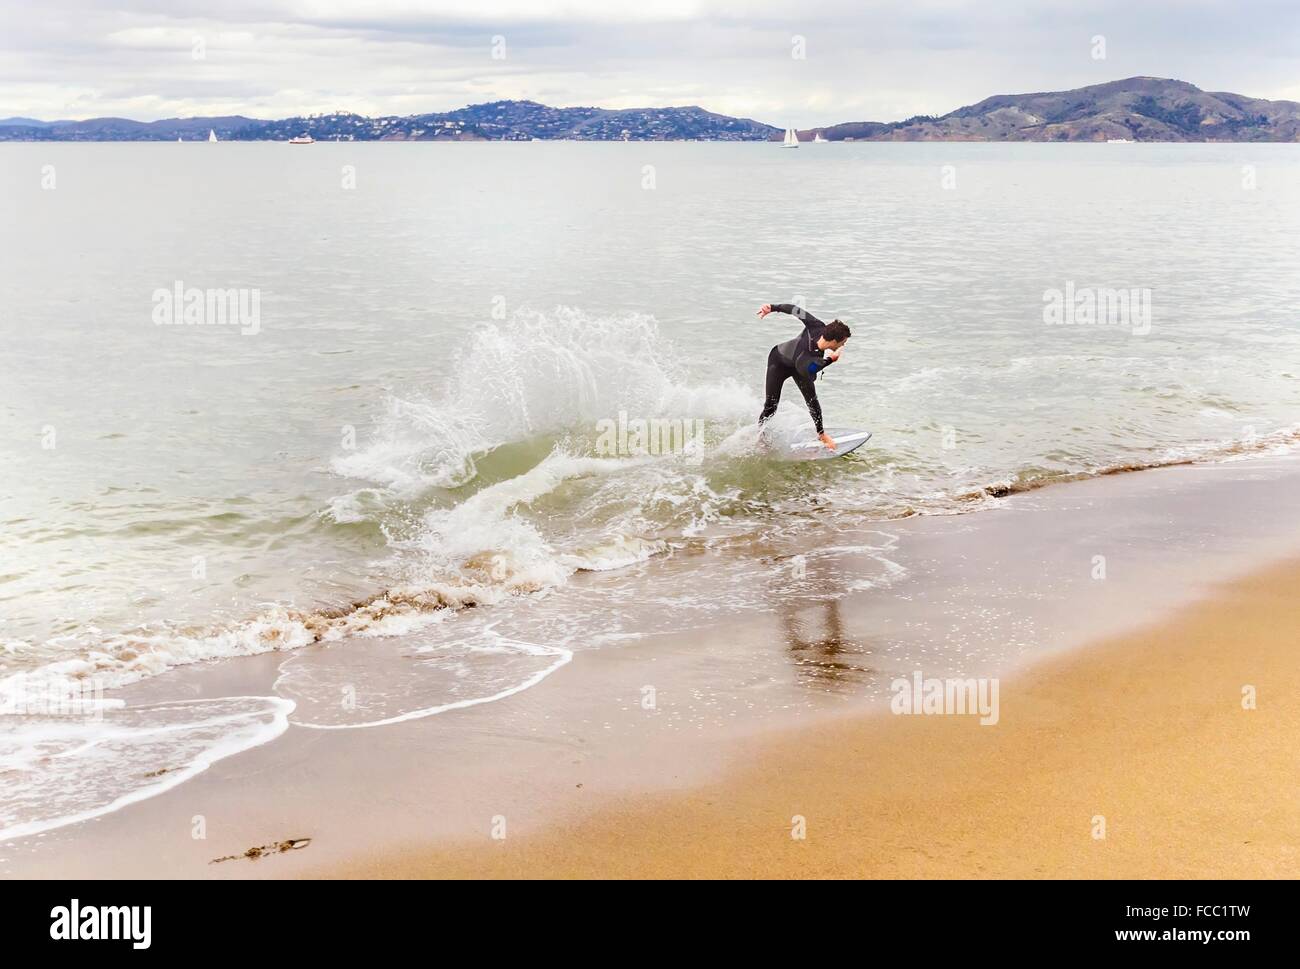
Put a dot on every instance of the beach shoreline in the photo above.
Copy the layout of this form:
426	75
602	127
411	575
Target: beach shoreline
779	713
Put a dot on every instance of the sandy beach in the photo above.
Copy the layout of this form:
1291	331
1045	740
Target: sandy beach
1151	731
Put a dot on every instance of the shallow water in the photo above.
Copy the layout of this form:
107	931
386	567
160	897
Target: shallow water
419	419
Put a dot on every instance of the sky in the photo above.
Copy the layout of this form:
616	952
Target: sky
786	62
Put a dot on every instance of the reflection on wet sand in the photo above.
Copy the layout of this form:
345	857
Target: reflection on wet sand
821	652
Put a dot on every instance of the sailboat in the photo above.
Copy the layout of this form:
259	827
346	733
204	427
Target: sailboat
212	135
820	140
791	139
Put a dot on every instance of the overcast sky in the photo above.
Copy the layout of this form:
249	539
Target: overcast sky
877	60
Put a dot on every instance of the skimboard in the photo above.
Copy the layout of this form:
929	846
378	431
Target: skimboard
806	447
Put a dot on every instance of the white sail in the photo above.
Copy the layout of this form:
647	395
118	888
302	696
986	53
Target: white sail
212	135
791	139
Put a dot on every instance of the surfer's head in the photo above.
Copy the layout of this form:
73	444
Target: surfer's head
834	336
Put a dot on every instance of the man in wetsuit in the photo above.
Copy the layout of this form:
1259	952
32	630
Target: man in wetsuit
802	359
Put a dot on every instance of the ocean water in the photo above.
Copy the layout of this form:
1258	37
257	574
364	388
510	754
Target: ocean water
409	450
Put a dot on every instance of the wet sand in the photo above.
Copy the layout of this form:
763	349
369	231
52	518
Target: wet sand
1134	759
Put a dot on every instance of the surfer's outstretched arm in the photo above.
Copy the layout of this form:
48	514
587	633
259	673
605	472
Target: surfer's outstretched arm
789	308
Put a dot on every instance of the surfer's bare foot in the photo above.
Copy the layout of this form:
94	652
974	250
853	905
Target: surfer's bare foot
827	440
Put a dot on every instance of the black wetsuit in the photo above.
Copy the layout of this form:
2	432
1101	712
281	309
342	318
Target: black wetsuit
798	358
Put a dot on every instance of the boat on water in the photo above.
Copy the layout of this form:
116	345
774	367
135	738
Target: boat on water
1119	141
819	140
302	140
212	135
791	139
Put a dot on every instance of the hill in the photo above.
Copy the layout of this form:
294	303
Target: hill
1136	108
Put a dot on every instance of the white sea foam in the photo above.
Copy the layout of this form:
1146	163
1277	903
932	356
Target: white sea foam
399	686
59	770
483	538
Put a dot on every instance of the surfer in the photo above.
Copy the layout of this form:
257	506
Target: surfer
802	358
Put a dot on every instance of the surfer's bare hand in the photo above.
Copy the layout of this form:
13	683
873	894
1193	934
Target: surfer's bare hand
827	440
835	355
764	310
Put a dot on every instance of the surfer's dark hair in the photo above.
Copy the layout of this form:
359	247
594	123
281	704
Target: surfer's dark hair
837	331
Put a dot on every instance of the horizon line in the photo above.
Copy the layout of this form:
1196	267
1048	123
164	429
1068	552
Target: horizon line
573	107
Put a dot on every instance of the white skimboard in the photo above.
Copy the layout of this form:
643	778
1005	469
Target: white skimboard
806	447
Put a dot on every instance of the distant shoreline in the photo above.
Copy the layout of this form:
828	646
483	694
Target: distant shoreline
1138	109
582	141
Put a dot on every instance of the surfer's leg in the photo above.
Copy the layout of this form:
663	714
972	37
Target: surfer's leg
777	372
809	392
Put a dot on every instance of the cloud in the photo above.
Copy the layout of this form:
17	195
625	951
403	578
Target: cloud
880	60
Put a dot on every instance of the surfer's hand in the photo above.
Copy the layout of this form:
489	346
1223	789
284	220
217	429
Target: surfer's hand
827	440
834	355
764	310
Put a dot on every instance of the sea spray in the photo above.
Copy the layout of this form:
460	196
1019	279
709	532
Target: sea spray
535	375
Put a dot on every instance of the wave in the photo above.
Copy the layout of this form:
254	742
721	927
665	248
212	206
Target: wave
483	550
460	539
388	689
59	771
537	374
1282	441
